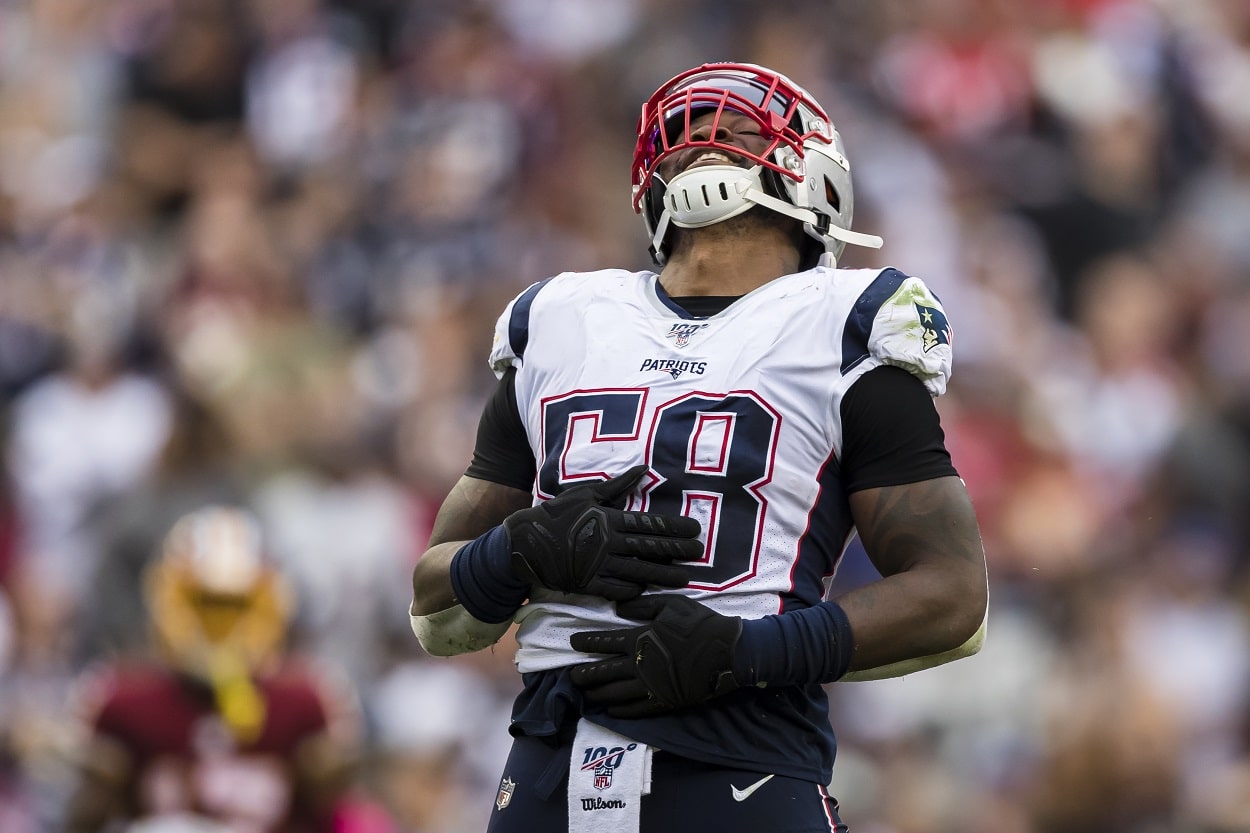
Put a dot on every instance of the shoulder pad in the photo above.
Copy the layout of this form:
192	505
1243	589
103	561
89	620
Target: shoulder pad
898	320
512	330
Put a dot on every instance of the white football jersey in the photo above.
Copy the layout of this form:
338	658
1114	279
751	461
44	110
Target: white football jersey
737	416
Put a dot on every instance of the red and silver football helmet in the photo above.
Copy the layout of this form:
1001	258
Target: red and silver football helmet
803	173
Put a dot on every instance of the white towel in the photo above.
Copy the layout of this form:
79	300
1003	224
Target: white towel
608	776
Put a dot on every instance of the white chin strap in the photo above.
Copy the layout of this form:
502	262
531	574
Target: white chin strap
709	194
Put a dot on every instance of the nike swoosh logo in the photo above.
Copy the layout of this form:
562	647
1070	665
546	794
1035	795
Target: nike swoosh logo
743	795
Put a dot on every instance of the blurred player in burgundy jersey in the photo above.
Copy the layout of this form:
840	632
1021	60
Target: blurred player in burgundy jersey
228	732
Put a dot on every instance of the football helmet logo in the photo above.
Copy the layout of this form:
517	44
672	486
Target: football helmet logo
802	173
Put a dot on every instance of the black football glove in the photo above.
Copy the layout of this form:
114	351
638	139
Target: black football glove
579	542
681	657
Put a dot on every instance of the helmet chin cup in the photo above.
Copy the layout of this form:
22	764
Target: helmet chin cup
709	194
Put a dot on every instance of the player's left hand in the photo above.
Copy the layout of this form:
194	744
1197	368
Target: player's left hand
682	656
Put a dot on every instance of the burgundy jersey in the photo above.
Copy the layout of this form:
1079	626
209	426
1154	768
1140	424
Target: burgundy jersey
183	759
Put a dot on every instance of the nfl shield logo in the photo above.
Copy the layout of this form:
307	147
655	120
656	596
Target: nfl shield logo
602	782
506	787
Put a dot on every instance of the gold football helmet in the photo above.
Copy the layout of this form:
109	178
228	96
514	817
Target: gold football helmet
220	608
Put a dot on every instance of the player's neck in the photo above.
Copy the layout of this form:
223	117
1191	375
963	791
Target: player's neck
719	264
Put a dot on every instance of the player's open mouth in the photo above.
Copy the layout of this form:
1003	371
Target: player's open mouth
712	158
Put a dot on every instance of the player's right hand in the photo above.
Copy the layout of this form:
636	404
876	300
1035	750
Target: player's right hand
581	542
682	655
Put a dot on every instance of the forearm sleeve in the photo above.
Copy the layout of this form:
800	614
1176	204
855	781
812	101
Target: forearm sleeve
795	648
483	579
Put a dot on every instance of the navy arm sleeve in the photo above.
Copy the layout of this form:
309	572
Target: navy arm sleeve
502	453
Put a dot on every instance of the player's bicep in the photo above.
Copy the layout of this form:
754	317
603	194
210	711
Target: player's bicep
923	538
907	500
930	523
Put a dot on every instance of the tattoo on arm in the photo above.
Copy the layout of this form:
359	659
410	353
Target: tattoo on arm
901	525
923	539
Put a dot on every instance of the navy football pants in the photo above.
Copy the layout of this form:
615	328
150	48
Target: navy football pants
686	797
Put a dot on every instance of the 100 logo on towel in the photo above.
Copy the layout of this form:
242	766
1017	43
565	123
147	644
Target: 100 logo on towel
604	761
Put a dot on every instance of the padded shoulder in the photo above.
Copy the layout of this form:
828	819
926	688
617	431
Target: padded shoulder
512	330
567	293
898	320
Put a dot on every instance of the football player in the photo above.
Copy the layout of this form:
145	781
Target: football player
228	732
671	468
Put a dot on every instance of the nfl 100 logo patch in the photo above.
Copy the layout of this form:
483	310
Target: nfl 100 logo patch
603	763
681	333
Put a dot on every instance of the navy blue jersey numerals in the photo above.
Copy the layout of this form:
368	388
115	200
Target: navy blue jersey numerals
710	455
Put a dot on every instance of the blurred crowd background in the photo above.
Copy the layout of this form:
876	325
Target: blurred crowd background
251	252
